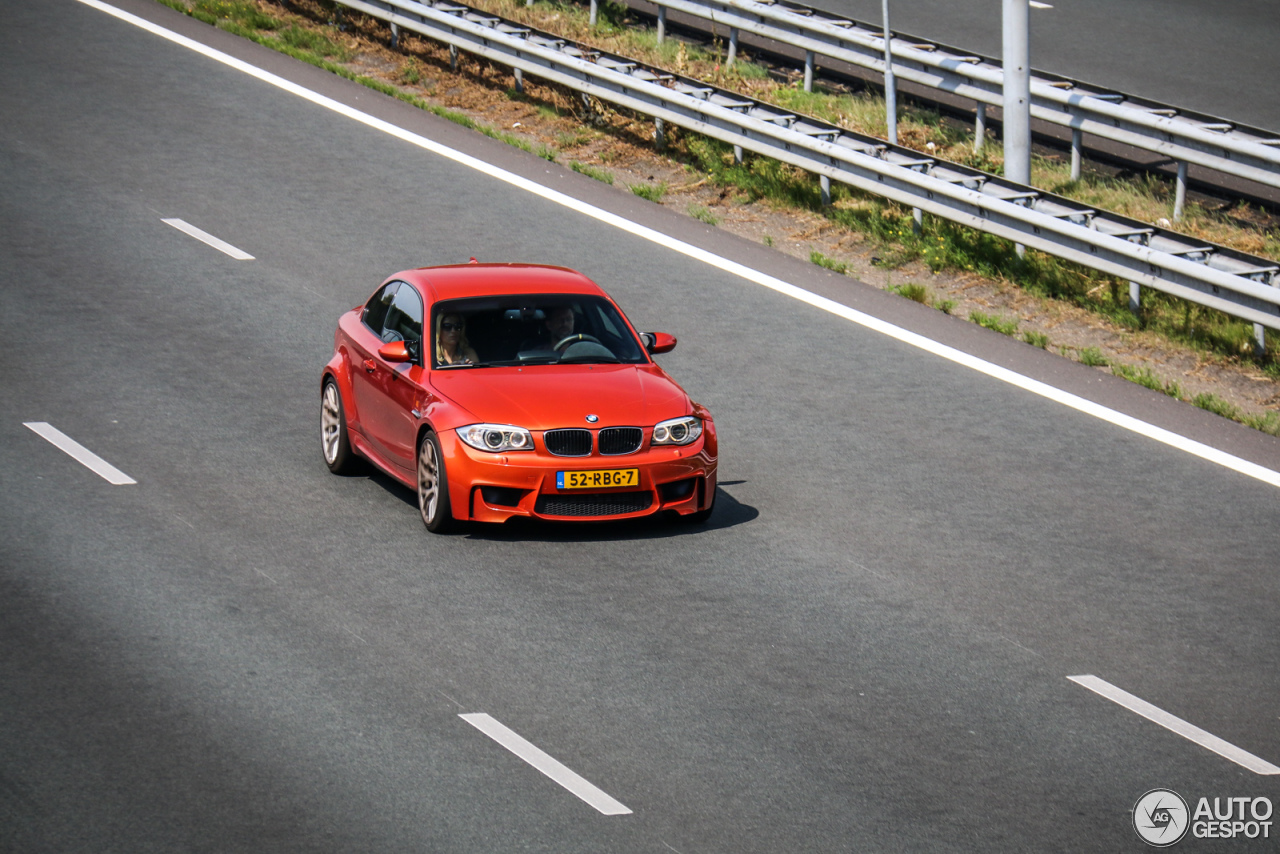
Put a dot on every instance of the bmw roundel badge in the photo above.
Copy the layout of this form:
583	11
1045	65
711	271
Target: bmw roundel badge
592	419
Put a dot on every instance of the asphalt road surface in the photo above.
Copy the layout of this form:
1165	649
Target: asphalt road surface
1217	58
866	649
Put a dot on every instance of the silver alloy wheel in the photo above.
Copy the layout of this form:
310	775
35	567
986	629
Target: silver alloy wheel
330	423
428	480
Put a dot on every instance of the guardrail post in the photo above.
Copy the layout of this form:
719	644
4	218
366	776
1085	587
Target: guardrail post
1135	297
825	183
453	57
733	46
890	87
519	81
737	154
1180	193
979	127
917	221
395	37
659	135
595	12
808	70
662	23
1259	339
1077	153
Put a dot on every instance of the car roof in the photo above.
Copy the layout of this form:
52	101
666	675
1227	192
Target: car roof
456	281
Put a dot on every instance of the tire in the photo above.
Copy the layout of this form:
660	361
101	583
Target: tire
335	444
433	487
701	516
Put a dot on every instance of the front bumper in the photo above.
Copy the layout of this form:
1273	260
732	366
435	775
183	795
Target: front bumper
487	487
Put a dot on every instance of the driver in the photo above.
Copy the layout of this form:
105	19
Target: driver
559	324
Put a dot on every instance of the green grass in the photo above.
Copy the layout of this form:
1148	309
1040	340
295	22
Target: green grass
1003	325
1268	422
1216	405
1036	339
821	260
700	213
750	70
946	306
410	72
912	291
591	171
652	192
1145	377
1093	357
243	13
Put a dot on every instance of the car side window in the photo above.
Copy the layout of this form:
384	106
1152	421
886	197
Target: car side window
404	320
394	313
375	311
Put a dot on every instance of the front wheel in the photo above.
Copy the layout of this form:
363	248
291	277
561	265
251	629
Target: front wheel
701	516
433	487
334	441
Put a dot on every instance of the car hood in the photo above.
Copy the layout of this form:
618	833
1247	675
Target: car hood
542	397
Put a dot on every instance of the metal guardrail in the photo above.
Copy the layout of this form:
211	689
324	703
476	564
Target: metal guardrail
1215	276
1182	135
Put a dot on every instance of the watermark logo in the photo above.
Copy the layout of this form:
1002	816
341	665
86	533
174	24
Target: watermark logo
1160	817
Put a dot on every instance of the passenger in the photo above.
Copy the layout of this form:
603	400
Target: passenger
452	347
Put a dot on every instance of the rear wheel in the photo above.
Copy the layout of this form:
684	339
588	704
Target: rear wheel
334	441
433	487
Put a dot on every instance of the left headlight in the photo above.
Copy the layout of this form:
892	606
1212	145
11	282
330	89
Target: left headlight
677	431
496	437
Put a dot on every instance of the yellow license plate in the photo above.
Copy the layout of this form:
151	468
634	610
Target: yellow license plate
605	479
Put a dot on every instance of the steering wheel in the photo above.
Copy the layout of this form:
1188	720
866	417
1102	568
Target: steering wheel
581	336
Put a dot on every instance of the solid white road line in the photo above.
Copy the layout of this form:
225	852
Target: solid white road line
1176	724
80	453
1065	398
544	763
206	237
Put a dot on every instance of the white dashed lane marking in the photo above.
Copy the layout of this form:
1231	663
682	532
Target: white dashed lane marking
1207	740
80	453
544	763
206	237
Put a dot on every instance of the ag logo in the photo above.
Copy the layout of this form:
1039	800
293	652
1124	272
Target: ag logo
1160	817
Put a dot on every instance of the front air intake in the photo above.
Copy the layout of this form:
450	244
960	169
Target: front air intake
604	504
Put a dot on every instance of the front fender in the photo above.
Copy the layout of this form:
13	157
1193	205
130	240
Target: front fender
339	368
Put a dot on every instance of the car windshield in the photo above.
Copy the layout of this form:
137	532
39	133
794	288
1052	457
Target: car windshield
531	330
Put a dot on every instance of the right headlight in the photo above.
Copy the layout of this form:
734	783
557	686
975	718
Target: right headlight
496	437
677	431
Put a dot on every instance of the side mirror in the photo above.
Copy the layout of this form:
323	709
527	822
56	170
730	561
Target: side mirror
658	342
396	351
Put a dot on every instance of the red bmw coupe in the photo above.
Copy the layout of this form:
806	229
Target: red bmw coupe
501	390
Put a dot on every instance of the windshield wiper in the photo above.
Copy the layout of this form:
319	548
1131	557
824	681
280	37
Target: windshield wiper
464	365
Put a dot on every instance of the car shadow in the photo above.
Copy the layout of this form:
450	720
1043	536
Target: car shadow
729	513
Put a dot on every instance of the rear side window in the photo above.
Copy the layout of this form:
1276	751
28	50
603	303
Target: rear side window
395	314
375	311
